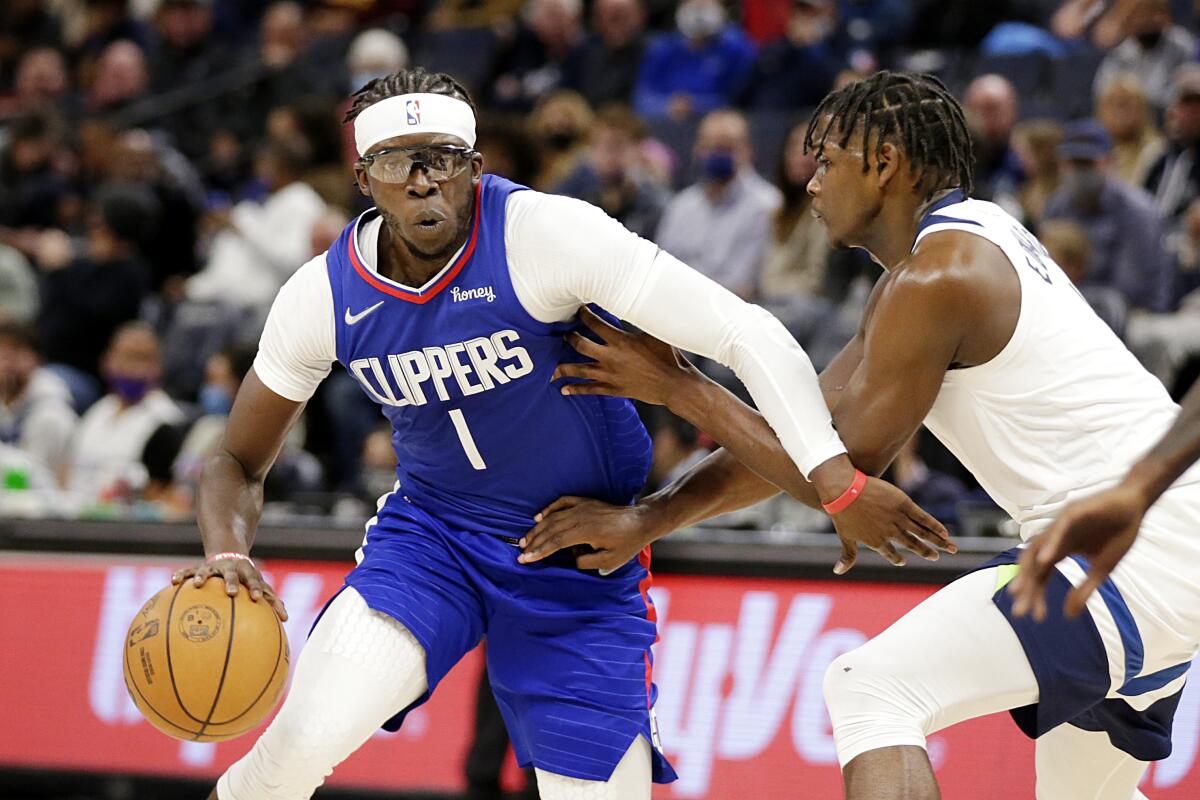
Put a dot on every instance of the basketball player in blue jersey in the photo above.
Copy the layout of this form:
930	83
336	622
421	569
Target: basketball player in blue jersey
974	331
449	303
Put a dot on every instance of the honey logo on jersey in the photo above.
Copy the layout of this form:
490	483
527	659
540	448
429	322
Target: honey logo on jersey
475	365
458	295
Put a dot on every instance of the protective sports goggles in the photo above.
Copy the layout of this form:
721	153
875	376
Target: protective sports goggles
395	164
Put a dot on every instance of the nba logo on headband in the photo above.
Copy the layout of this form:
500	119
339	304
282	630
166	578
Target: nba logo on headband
406	114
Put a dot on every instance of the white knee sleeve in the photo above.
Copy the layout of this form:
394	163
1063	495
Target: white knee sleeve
870	708
630	780
951	658
358	668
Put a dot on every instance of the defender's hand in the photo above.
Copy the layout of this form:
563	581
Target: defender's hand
233	571
624	364
615	534
1102	527
882	517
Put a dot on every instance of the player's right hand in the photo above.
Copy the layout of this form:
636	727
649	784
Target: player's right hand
883	517
235	572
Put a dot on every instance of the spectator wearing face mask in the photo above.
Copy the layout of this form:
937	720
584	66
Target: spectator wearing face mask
798	69
107	451
559	125
721	225
1152	49
1124	230
613	176
707	63
295	470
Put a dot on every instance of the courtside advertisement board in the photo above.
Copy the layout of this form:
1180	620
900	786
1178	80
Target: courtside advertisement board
739	671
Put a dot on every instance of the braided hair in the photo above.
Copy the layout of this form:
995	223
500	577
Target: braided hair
406	81
915	112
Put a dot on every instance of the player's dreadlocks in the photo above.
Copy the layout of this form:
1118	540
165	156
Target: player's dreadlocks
914	112
406	81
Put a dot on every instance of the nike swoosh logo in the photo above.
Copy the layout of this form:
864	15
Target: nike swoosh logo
351	319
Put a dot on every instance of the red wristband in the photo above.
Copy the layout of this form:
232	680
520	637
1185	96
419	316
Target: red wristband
847	497
238	556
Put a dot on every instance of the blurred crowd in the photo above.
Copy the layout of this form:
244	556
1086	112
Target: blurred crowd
165	165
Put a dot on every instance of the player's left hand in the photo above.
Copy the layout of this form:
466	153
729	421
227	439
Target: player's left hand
1102	527
615	534
884	518
624	364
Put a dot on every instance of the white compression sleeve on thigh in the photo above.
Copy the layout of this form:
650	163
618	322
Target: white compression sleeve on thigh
1072	762
953	657
630	780
357	669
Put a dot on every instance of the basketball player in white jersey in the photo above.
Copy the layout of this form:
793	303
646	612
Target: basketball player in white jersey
975	332
1103	526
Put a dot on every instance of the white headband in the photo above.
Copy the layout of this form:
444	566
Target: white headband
413	113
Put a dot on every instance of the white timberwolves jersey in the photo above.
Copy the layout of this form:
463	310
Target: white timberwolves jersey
1063	411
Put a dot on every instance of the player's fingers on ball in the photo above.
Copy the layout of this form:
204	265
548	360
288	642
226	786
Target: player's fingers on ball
201	575
181	574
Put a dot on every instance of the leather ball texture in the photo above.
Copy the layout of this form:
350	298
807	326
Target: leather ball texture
203	666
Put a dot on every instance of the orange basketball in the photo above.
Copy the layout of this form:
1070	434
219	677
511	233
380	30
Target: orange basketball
202	665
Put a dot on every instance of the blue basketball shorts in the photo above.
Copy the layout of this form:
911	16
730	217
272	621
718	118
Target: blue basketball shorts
568	651
1074	675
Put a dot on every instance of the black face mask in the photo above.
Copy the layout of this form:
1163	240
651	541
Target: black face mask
1150	39
561	140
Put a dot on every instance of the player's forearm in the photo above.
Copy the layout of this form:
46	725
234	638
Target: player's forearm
717	485
228	507
745	434
1173	455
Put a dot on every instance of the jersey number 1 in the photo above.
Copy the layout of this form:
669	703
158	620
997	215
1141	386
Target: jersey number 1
468	441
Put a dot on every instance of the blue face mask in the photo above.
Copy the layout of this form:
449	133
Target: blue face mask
215	400
718	166
131	389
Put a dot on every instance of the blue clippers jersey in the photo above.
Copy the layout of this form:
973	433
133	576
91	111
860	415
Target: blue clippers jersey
462	371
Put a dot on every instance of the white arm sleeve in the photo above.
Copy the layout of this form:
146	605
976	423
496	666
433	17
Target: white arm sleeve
298	344
564	253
